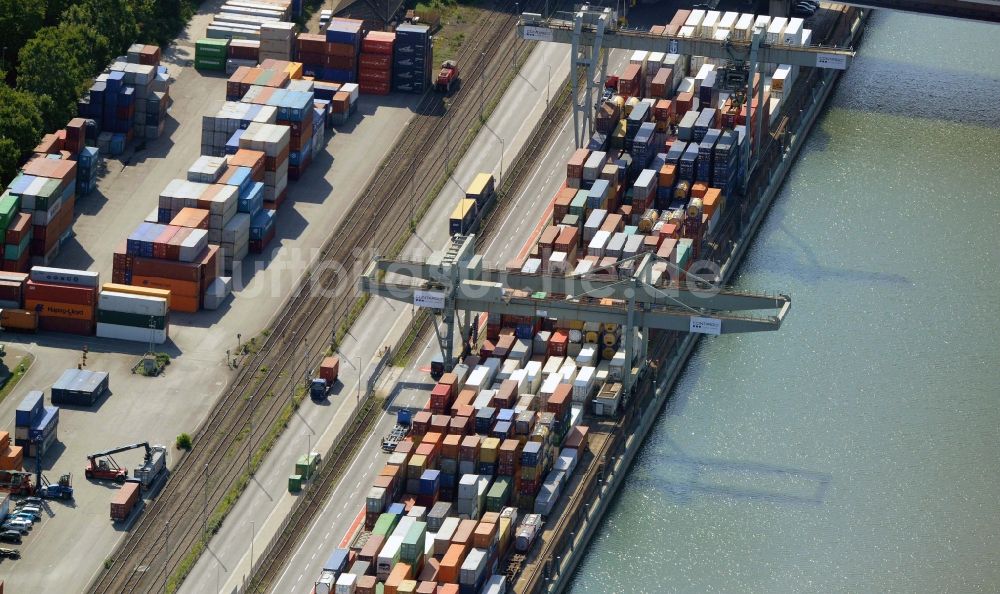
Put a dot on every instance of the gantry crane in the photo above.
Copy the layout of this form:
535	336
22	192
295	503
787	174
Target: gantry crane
593	30
647	298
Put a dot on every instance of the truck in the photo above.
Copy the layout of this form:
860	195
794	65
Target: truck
63	489
124	501
329	371
404	419
332	569
437	367
446	76
101	465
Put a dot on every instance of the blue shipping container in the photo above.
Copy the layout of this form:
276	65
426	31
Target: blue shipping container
29	409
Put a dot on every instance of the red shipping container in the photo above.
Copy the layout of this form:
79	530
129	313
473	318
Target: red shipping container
20	227
74	294
375	61
378	42
629	83
66	326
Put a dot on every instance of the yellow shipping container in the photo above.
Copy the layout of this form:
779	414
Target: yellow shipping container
481	185
133	290
489	449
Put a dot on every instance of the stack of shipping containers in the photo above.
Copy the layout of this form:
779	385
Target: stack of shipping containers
412	59
375	63
35	426
277	40
345	35
501	436
11	456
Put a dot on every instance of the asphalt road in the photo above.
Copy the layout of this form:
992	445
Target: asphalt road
338	520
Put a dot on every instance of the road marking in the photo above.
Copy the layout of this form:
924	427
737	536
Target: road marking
340	514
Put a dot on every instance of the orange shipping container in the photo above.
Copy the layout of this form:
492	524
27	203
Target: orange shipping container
4	440
54	309
463	534
711	201
451	563
448	589
12	458
177	288
400	572
193	218
19	319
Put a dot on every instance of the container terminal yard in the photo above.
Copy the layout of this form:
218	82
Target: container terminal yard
602	258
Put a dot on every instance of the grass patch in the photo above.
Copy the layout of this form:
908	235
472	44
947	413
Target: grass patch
18	372
233	494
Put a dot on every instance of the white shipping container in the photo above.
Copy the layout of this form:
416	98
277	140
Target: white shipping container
583	267
65	276
346	583
532	266
559	263
728	20
193	245
497	584
694	21
131	333
583	385
388	556
483	399
473	566
775	30
534	371
595	162
478	379
710	23
762	21
567	372
743	29
442	539
521	377
552	365
493	365
467	486
598	243
549	386
793	32
134	304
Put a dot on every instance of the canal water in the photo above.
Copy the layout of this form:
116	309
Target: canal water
858	448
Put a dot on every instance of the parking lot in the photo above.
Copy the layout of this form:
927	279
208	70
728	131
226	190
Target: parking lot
158	409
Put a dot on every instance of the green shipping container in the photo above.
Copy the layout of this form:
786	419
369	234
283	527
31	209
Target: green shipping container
13	252
9	207
499	493
579	204
211	48
413	543
306	465
131	319
48	195
206	64
294	483
385	524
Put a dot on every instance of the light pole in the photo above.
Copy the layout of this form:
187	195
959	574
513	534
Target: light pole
205	500
500	182
447	123
357	399
253	533
548	83
482	90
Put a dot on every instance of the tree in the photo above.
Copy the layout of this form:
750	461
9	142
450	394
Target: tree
57	63
10	158
20	129
115	20
19	20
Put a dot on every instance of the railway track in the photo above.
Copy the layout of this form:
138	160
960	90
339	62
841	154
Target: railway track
176	521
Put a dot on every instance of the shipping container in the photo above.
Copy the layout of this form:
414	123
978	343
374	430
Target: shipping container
124	501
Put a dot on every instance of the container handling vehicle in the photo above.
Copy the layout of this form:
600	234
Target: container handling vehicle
404	419
101	466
